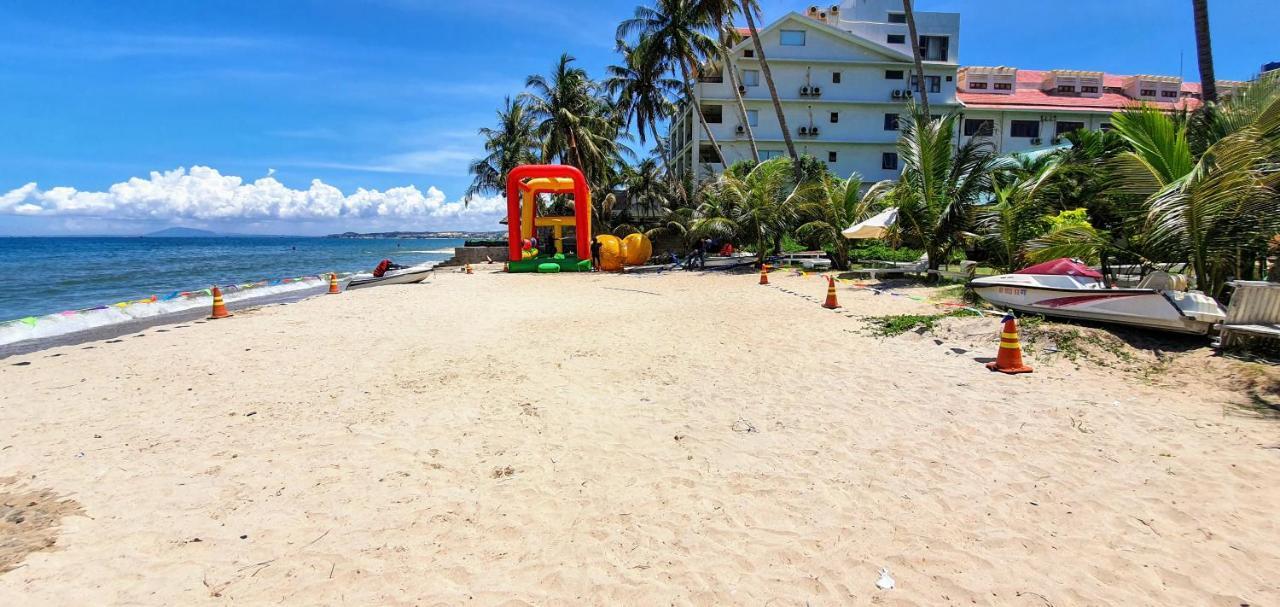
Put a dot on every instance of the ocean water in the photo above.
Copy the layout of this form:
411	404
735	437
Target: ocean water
53	276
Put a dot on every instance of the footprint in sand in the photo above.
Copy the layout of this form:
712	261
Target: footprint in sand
21	364
115	341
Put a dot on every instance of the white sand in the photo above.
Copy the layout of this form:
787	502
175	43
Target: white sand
621	440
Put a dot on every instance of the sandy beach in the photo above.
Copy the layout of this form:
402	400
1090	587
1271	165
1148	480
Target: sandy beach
618	440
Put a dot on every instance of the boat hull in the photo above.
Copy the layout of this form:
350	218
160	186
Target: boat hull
1147	308
407	277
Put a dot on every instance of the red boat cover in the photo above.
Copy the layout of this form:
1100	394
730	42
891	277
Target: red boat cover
1062	267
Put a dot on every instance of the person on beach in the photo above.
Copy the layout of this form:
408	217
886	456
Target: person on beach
595	255
698	257
385	266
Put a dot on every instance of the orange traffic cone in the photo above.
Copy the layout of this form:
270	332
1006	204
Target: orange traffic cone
333	284
219	307
1009	358
468	268
831	303
764	274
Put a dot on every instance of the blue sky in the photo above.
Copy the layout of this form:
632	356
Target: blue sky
385	94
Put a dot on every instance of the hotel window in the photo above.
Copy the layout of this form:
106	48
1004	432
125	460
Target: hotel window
750	77
974	86
770	154
749	52
707	154
935	83
934	48
835	77
1173	94
1002	86
977	127
1147	93
1106	126
792	38
897	17
1088	89
1066	88
889	161
753	117
713	114
896	39
1024	128
893	75
835	117
1068	127
890	122
832	157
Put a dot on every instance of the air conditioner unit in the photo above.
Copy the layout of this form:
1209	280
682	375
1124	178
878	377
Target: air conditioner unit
835	9
742	89
907	93
804	91
1036	141
816	91
813	10
897	93
813	130
741	129
804	130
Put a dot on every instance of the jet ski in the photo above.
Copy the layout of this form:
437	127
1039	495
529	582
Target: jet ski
406	276
1069	289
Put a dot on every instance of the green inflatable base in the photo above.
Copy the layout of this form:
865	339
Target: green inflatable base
568	264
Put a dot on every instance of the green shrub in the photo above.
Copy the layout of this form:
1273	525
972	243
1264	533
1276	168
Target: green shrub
878	251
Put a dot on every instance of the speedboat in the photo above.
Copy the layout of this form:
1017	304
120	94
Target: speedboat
406	276
1069	289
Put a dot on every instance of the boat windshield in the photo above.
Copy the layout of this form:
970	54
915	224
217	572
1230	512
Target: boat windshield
1062	267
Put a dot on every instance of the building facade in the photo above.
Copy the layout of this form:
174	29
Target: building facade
844	74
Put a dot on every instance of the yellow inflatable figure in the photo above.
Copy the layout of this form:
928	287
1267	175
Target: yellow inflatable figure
611	259
636	249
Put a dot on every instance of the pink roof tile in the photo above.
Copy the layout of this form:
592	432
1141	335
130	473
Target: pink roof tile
1027	95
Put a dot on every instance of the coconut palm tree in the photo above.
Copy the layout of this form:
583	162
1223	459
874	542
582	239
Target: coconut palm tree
729	37
1204	51
757	208
680	29
577	125
641	90
829	204
512	143
915	53
749	10
940	184
1015	216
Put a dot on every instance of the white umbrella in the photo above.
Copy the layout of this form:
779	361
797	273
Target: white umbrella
876	227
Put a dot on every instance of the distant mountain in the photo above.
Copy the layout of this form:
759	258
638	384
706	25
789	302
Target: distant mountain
181	233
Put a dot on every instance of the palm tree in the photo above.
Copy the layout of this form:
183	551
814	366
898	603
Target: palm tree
1016	216
749	9
679	28
577	126
1204	51
830	204
940	184
729	37
512	143
641	89
757	208
915	53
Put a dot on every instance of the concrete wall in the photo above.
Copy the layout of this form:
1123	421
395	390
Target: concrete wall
476	255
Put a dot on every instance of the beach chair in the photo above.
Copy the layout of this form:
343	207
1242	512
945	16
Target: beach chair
896	269
1254	312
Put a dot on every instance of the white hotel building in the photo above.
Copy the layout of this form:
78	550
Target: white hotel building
844	74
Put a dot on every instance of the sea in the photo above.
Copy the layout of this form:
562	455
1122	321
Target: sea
56	286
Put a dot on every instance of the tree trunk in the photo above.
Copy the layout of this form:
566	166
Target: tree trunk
1204	51
915	53
742	107
706	128
768	78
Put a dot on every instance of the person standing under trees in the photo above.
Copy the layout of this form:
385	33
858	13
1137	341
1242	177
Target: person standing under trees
595	254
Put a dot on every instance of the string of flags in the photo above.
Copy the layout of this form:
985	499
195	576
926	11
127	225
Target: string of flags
31	321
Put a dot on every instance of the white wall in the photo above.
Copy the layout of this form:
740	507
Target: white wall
1005	143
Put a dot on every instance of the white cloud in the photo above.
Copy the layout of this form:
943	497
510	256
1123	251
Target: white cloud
204	194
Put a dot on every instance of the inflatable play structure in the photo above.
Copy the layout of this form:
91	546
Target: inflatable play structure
527	254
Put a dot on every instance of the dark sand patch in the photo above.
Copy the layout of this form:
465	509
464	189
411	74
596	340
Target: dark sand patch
29	520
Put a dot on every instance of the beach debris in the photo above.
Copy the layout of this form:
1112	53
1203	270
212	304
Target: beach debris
886	581
745	426
21	364
503	472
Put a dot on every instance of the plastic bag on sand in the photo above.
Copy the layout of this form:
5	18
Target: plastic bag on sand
886	581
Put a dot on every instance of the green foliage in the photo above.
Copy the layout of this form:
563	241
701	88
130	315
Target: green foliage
757	209
875	250
893	326
1069	218
512	143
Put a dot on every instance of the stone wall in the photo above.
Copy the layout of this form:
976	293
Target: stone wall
476	255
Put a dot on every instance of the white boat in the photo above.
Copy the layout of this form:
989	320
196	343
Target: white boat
1069	289
406	276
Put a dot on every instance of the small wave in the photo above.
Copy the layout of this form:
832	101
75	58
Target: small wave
73	321
433	252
